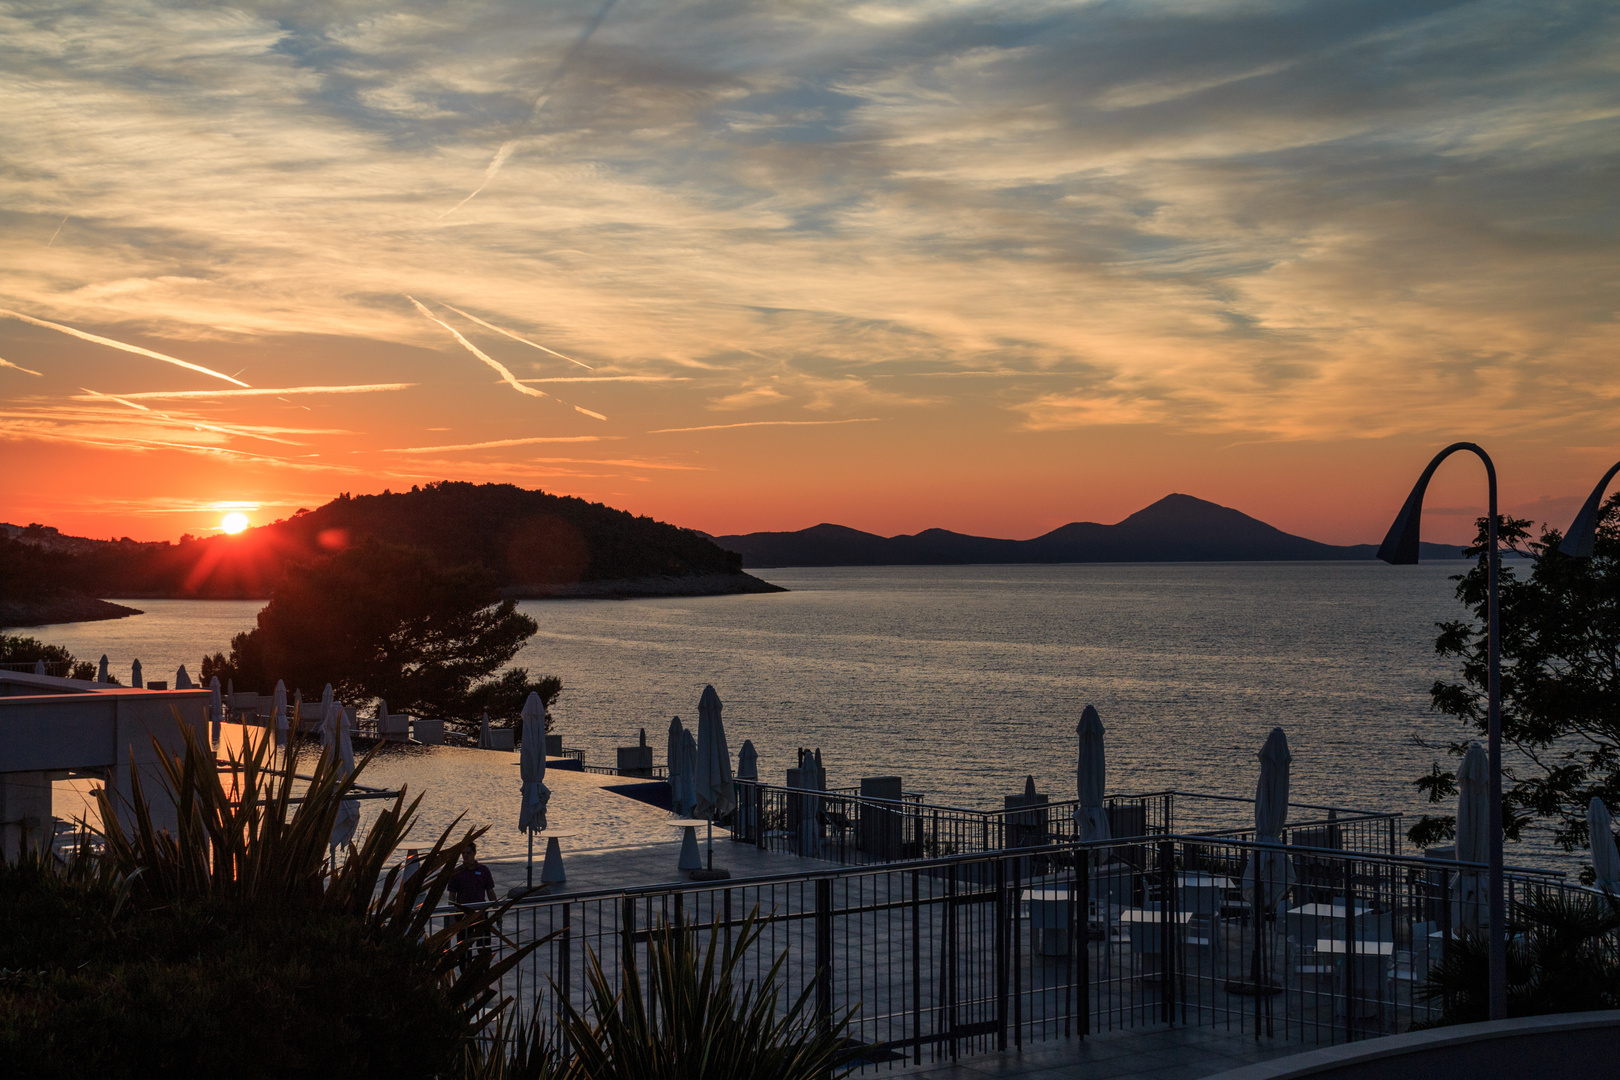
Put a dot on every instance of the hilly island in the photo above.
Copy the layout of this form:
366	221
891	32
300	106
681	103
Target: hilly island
533	544
1177	528
537	545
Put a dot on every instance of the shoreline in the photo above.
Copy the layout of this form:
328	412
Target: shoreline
21	614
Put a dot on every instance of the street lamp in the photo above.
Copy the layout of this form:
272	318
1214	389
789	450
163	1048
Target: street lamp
1401	547
1583	532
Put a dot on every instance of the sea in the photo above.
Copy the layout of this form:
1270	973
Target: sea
965	681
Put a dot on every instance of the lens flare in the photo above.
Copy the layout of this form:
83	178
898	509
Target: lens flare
234	523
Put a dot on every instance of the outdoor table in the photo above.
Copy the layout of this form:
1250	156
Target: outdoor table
1202	893
1143	924
1310	921
691	858
552	872
1371	959
1048	921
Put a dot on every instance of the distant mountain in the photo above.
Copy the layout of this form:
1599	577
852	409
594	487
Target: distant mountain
535	545
1177	528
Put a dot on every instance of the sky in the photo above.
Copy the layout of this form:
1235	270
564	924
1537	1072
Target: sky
991	267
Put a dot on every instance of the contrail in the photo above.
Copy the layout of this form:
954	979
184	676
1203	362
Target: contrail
94	396
58	231
188	422
516	337
110	343
494	444
764	423
511	144
19	367
489	174
269	391
609	378
500	368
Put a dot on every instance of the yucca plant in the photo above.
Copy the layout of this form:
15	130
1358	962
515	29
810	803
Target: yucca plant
1561	957
698	1019
229	945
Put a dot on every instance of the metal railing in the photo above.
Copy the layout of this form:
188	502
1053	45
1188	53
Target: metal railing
949	956
854	830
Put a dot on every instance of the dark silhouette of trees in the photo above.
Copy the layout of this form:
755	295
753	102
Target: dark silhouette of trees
1560	681
385	621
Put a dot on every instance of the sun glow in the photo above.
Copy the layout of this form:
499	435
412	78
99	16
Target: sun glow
234	522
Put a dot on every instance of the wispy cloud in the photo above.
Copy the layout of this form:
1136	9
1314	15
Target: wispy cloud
125	346
500	368
495	444
990	224
519	337
766	423
269	391
610	378
19	367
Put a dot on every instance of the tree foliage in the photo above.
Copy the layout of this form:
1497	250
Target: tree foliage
1560	681
16	649
383	621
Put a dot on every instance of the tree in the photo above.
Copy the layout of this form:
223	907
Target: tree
16	649
382	621
1560	629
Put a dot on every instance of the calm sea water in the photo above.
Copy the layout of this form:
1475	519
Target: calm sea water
963	680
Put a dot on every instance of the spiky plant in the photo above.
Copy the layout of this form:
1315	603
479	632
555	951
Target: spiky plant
699	1019
261	845
1561	957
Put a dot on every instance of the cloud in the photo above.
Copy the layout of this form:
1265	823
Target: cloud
519	337
110	343
19	367
501	369
265	391
1268	220
610	378
494	444
766	423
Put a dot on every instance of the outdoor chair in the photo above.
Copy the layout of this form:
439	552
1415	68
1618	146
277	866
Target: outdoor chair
1202	935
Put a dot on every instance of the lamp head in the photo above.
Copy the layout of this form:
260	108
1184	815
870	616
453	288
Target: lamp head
1582	536
1400	546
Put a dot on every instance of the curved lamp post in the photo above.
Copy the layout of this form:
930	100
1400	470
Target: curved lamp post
1583	532
1400	547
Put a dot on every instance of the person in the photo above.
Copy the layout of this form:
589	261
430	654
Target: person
472	884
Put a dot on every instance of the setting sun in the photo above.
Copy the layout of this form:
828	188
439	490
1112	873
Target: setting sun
234	522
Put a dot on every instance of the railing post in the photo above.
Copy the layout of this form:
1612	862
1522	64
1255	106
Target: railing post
566	983
916	965
1000	878
627	950
759	817
1167	931
824	953
1350	937
1080	937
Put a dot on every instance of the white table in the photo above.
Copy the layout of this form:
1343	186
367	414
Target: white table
1048	921
691	858
1143	925
552	872
1311	921
1369	976
1202	893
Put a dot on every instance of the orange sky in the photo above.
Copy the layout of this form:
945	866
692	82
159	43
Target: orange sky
992	268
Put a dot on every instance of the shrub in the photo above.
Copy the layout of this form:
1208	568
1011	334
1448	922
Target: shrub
1559	959
230	948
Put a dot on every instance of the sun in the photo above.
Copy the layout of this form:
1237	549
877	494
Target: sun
234	523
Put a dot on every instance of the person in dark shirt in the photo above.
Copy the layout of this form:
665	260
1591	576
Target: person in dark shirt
473	884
